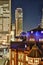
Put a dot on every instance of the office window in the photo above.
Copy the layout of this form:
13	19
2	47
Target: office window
26	58
20	56
30	61
20	63
12	62
12	54
6	24
36	61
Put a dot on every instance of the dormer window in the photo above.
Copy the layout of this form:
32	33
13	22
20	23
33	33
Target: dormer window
36	61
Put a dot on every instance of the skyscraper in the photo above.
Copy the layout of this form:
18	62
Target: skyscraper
42	19
5	18
19	21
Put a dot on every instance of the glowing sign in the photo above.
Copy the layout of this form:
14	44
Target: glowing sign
41	31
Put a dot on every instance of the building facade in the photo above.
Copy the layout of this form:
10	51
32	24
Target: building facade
5	19
19	21
18	56
22	54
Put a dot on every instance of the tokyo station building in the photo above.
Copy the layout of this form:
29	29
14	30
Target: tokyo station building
23	53
28	51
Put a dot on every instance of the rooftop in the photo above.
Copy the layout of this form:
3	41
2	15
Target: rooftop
35	52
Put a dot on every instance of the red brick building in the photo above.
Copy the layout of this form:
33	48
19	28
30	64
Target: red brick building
23	54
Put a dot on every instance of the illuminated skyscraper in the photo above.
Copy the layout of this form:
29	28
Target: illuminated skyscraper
19	21
5	18
42	19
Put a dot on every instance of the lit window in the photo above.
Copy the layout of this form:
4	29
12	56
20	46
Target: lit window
20	63
12	54
36	61
12	62
30	60
20	56
26	58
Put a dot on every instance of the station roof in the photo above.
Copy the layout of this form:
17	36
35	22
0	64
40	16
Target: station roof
37	29
35	52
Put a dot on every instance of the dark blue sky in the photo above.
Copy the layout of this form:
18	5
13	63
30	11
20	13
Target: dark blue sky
31	12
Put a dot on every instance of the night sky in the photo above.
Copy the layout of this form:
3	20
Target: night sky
31	12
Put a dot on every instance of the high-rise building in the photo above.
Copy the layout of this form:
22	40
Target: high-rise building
19	21
5	18
42	19
13	32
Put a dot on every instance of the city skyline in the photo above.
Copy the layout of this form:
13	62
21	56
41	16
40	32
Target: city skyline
32	11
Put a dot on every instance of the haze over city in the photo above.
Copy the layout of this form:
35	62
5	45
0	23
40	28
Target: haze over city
32	10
